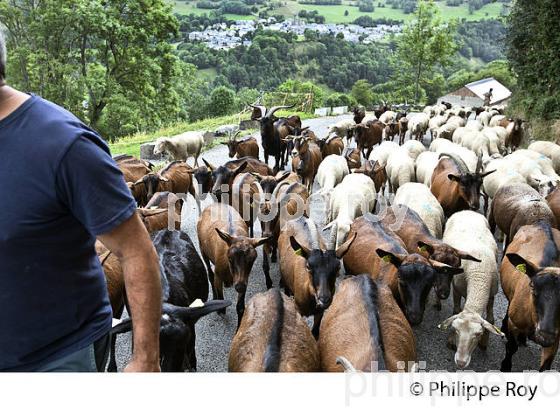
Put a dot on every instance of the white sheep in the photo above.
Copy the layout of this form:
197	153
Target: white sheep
387	117
419	198
457	120
439	144
353	197
474	125
382	151
414	148
341	128
495	120
183	146
400	169
548	149
330	173
469	232
436	122
503	176
465	154
418	125
425	165
484	118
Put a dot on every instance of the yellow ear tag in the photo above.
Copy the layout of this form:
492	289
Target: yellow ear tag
298	252
386	258
423	248
521	268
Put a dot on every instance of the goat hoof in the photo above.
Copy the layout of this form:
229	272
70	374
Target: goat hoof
505	367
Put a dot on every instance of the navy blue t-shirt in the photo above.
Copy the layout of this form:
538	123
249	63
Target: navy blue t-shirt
59	189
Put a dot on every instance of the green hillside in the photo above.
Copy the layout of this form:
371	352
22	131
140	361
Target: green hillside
336	13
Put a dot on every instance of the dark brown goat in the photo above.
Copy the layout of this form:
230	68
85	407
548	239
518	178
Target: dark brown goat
133	168
410	276
454	186
410	227
273	337
403	128
247	147
514	136
365	330
309	268
225	242
376	172
516	205
530	280
553	200
367	135
359	114
353	158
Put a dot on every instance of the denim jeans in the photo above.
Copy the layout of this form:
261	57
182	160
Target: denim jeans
92	358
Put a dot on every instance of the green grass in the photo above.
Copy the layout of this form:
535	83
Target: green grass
131	145
335	14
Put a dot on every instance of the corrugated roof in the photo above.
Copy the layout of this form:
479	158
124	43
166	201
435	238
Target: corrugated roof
481	87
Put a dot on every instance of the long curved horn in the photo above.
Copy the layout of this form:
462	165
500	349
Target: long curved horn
278	107
260	107
209	165
459	161
332	237
345	363
478	165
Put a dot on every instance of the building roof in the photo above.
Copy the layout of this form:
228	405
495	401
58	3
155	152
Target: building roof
481	87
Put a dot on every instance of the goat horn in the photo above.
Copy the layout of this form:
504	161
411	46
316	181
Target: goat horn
314	233
278	107
345	363
479	164
459	161
209	165
260	107
332	237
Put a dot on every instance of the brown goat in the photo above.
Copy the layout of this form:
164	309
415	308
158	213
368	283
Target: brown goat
365	329
353	158
156	214
245	197
309	267
306	159
517	205
390	131
403	128
225	243
273	337
376	172
514	136
331	146
455	187
553	200
133	168
530	280
367	135
285	202
247	147
175	177
410	276
359	114
417	238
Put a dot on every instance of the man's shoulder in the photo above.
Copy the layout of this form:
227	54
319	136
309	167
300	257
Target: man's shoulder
57	129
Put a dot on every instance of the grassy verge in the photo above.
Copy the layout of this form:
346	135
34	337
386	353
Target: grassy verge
131	144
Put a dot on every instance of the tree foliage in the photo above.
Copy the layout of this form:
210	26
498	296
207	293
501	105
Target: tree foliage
426	42
108	61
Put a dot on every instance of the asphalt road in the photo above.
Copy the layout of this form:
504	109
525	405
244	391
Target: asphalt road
215	332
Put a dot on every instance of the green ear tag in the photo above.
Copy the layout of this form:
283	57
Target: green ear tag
521	268
423	248
298	252
386	258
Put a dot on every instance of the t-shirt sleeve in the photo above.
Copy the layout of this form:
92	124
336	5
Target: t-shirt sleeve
92	186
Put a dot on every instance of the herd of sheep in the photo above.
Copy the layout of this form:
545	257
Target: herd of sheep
401	216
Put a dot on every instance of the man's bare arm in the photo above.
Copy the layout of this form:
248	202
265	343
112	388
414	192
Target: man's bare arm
131	243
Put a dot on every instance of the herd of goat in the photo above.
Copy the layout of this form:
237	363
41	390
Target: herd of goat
404	217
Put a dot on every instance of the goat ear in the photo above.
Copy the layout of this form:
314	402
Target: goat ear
447	322
192	314
285	175
492	329
342	249
390	257
261	241
163	179
445	268
522	265
209	165
241	168
424	247
453	177
299	249
226	237
124	327
258	177
467	257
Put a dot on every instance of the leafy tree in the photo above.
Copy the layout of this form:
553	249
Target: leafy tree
222	101
426	42
94	56
363	93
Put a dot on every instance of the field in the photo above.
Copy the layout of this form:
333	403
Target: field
335	14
